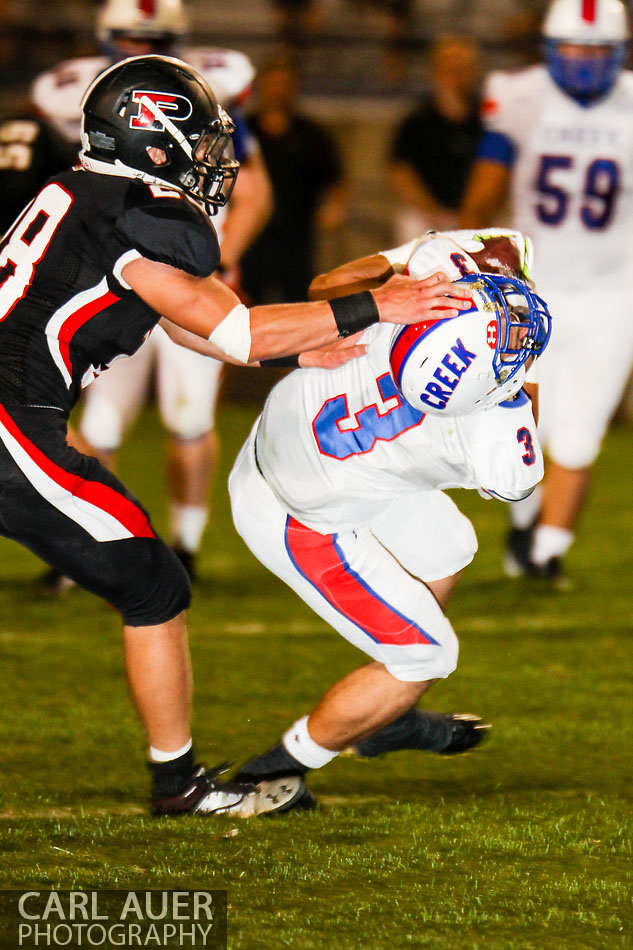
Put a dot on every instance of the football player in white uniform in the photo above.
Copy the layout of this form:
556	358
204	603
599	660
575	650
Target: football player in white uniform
187	383
104	252
339	490
559	144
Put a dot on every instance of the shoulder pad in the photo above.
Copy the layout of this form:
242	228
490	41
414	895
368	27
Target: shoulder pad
172	230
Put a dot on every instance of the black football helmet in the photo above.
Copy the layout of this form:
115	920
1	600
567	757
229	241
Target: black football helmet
155	118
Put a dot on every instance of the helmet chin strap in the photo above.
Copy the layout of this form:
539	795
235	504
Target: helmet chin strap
170	127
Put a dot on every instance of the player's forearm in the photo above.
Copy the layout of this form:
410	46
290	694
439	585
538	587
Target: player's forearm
209	309
362	274
281	329
192	341
286	329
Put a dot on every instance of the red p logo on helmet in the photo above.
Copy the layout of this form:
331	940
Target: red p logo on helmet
177	108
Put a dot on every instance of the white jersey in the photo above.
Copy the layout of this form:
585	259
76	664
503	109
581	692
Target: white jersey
336	446
57	93
572	175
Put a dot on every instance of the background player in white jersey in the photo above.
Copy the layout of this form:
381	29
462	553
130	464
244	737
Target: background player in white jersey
339	491
187	384
559	144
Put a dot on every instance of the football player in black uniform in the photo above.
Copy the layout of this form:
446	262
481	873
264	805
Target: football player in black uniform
85	272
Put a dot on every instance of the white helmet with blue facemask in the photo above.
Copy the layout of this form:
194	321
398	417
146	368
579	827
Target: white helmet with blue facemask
457	365
585	46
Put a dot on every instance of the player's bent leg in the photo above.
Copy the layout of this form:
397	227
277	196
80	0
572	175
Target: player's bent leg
349	579
159	675
160	680
359	704
422	730
77	516
357	586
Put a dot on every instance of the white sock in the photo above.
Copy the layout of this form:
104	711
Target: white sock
186	525
156	755
524	513
550	542
299	744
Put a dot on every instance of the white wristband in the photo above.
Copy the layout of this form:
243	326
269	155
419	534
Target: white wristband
233	334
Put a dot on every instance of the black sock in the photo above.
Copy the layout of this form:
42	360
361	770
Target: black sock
416	729
272	764
171	778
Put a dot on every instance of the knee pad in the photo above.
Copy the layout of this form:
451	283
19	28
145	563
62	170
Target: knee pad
575	448
145	581
102	424
189	420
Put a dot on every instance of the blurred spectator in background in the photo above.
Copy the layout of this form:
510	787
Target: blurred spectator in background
297	21
434	147
187	383
308	188
559	142
30	152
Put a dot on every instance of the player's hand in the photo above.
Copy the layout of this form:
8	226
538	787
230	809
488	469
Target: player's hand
408	300
335	354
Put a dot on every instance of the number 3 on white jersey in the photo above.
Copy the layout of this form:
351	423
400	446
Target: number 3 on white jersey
28	242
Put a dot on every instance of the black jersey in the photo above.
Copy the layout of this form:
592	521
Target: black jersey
65	311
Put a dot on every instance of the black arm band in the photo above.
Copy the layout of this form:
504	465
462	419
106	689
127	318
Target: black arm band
281	361
354	312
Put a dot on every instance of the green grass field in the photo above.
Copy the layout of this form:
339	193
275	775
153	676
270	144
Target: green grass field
524	844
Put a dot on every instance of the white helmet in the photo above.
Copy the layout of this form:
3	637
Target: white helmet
586	23
230	74
453	366
160	21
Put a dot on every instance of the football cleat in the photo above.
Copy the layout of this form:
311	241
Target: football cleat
302	800
467	731
516	558
517	563
419	729
552	571
205	795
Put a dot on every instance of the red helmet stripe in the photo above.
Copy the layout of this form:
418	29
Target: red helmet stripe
147	7
406	340
589	11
